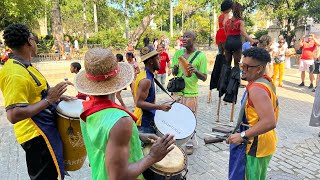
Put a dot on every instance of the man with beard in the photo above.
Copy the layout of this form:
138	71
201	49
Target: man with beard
144	91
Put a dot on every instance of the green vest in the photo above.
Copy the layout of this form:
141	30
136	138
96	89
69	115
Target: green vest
95	132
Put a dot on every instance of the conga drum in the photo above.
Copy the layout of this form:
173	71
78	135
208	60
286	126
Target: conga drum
74	151
179	121
170	167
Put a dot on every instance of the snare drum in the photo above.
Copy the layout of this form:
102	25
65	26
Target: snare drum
170	167
179	121
74	151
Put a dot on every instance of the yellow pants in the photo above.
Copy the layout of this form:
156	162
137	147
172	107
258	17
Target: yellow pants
278	69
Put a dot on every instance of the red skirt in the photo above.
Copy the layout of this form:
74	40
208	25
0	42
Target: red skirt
220	36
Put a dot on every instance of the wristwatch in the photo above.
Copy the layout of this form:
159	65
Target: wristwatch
243	136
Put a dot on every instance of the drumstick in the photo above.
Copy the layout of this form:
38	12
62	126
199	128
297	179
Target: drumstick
218	110
178	99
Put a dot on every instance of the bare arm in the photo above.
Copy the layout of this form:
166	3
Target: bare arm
17	114
117	153
118	149
142	94
315	40
119	97
300	43
264	108
244	32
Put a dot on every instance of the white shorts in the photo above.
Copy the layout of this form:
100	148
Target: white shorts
306	65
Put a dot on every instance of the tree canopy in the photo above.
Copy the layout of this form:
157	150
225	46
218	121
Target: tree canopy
187	14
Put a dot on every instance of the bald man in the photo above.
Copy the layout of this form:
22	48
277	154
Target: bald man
198	67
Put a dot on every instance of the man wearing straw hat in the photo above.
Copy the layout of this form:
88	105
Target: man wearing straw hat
144	91
109	131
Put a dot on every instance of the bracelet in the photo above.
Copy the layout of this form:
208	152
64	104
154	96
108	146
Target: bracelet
45	99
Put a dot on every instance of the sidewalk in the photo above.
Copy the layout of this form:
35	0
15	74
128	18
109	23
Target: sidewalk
297	156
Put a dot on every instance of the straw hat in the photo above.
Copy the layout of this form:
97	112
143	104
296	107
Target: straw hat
103	75
147	52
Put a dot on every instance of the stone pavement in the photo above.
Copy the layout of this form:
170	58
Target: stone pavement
297	155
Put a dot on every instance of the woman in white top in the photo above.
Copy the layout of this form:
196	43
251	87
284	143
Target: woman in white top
278	64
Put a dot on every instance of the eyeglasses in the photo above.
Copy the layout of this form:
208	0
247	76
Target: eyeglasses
245	67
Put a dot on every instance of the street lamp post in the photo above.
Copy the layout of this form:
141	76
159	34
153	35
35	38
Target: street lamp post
210	18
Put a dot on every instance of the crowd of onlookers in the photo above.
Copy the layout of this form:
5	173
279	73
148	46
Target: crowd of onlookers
306	54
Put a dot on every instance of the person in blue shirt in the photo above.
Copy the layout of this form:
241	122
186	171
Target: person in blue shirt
248	45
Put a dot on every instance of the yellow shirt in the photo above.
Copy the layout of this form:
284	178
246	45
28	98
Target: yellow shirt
20	89
264	144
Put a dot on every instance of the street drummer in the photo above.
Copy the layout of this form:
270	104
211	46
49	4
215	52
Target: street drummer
109	131
28	102
144	91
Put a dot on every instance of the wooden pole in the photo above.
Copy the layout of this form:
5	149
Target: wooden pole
209	97
232	112
218	110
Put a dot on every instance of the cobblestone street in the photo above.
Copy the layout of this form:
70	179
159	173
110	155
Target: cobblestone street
298	149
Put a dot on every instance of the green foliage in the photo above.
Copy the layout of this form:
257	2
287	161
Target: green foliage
260	33
110	38
21	11
72	16
45	44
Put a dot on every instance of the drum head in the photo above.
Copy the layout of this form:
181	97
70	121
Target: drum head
70	108
179	121
173	163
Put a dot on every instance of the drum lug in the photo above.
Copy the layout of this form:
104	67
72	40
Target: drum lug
184	177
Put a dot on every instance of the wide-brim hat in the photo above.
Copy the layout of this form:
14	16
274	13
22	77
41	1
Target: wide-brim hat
103	75
147	52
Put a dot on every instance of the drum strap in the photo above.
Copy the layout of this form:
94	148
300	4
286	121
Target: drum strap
162	88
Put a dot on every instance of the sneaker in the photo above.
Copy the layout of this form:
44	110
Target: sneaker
302	84
311	86
313	90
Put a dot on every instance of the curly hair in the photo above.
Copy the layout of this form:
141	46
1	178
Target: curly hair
258	54
226	4
16	35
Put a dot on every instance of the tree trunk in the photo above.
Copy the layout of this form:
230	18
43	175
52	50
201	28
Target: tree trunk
95	18
171	18
126	18
85	41
136	35
57	29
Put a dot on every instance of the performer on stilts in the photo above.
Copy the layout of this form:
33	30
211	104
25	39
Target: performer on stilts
226	7
234	28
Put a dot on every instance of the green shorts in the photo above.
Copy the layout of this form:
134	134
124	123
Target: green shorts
256	168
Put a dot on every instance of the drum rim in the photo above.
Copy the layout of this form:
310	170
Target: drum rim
66	116
155	125
184	168
69	118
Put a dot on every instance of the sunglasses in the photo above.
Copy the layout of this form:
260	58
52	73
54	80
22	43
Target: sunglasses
281	42
246	67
